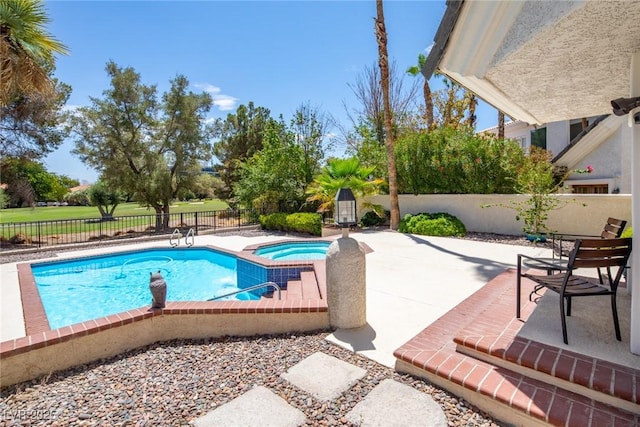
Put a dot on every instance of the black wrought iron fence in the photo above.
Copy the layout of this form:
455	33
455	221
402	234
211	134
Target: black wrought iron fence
24	235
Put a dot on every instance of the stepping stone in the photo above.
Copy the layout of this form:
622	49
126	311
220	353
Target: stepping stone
257	407
392	403
324	377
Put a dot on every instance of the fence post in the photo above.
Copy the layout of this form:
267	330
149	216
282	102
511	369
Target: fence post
196	219
182	224
39	234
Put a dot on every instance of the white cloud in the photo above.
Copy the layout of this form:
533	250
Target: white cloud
225	102
208	88
220	100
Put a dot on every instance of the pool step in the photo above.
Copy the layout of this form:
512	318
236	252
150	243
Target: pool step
309	285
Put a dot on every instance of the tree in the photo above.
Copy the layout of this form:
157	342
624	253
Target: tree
368	91
452	103
310	127
205	185
105	199
30	98
272	179
26	50
341	173
29	181
415	70
500	125
383	61
239	136
141	145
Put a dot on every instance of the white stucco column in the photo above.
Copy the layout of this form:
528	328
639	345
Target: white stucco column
635	212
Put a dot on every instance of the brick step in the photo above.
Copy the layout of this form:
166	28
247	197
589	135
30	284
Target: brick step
309	285
294	289
596	379
510	396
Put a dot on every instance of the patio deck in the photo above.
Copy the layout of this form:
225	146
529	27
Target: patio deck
474	352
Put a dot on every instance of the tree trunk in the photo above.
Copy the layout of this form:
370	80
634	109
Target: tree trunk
159	223
473	103
165	215
428	104
500	124
383	62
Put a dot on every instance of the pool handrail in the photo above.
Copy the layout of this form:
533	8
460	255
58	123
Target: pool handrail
175	232
250	288
191	233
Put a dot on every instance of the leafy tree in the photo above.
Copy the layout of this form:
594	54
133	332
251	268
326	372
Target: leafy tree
32	127
141	145
458	161
342	173
240	136
105	199
272	179
4	199
29	181
205	186
383	61
453	103
310	128
416	70
25	51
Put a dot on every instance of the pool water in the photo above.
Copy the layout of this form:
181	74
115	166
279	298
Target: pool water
294	251
83	289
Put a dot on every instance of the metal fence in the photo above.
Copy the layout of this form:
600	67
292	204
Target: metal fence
38	234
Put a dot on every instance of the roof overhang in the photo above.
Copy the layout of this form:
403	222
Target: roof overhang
539	61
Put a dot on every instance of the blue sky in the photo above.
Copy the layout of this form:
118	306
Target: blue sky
278	54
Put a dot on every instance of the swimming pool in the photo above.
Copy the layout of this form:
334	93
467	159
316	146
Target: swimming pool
82	289
290	251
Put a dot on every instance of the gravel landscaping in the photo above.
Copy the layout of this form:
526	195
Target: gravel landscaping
175	382
172	383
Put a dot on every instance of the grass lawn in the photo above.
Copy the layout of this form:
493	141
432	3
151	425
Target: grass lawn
49	213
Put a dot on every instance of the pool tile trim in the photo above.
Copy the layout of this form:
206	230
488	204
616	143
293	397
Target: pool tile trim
39	334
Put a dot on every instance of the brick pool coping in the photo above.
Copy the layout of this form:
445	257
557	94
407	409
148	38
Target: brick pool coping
39	334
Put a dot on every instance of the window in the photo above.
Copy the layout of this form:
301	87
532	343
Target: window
539	138
574	130
590	189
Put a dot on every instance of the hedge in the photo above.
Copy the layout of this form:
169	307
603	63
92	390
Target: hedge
303	222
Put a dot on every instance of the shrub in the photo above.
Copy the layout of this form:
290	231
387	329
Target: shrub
298	222
627	233
371	219
436	224
274	221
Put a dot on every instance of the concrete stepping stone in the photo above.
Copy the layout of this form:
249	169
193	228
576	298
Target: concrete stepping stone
324	377
392	403
257	407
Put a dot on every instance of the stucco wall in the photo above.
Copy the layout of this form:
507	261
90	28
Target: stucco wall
572	218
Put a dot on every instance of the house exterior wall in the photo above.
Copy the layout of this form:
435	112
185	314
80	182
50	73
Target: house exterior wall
611	160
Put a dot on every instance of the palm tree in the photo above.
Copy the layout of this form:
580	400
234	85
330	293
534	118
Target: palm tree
26	51
383	62
342	173
414	70
500	124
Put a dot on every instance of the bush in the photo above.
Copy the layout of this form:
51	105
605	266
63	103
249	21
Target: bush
371	219
274	221
298	222
436	224
77	198
627	233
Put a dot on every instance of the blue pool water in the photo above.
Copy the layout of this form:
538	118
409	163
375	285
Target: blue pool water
294	251
78	290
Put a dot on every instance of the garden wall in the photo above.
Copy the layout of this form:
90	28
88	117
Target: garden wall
572	218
